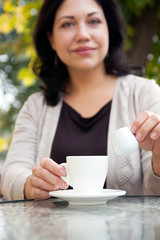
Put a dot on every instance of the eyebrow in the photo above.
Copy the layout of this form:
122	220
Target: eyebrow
72	17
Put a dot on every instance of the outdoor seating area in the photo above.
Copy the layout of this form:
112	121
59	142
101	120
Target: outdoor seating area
79	120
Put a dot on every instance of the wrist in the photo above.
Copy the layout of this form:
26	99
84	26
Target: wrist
156	164
27	188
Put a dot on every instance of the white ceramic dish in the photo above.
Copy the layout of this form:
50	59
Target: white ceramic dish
87	199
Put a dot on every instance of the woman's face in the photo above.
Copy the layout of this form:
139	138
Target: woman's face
80	34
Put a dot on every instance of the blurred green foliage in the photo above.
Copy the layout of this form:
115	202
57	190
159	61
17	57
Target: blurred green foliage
131	10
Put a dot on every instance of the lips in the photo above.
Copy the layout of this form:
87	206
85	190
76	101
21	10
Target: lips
84	50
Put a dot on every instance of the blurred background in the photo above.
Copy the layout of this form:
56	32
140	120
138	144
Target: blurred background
17	81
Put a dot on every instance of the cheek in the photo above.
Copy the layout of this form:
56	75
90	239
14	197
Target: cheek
103	42
63	48
102	39
63	40
62	43
105	36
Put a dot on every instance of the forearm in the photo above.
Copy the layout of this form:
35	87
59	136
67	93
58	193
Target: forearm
12	182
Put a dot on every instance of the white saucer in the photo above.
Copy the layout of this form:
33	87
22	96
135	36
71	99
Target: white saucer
87	199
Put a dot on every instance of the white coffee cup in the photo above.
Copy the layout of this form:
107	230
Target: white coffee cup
86	174
123	142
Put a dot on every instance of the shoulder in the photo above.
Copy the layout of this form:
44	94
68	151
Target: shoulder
135	80
32	107
35	101
137	83
36	106
36	98
139	91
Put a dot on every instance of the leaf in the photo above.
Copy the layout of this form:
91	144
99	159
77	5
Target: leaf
26	76
8	7
7	23
3	144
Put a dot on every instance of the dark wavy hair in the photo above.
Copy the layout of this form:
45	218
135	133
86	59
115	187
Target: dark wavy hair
54	78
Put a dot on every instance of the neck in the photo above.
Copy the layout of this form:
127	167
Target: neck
86	80
87	92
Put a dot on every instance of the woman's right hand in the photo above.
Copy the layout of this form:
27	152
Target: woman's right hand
45	178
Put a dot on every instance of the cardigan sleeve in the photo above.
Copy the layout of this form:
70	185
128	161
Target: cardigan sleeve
149	99
22	152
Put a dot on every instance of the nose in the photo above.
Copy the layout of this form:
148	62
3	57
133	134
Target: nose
82	33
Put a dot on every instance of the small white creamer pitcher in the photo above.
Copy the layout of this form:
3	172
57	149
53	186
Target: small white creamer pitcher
123	142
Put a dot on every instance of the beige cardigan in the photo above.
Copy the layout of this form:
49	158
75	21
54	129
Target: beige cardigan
35	129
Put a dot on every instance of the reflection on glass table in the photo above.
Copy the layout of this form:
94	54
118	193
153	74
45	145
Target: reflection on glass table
124	218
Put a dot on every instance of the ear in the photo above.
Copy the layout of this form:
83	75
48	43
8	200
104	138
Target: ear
51	40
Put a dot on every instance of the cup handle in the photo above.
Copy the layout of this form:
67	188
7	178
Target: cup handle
66	178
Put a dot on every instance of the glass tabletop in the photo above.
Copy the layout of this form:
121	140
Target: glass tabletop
121	218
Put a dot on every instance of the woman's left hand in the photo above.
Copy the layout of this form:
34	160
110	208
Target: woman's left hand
146	128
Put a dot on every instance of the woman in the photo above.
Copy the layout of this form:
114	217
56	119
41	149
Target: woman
87	94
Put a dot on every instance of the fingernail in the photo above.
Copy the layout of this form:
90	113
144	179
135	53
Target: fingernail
154	135
139	137
62	173
134	129
64	185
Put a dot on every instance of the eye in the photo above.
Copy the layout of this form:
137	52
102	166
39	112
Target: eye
94	21
67	25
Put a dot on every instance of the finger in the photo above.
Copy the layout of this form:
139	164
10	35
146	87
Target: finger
147	127
141	118
39	194
155	134
43	185
47	176
53	167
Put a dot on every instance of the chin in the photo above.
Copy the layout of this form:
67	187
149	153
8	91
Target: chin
86	67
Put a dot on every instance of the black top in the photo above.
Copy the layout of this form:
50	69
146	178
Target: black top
76	135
